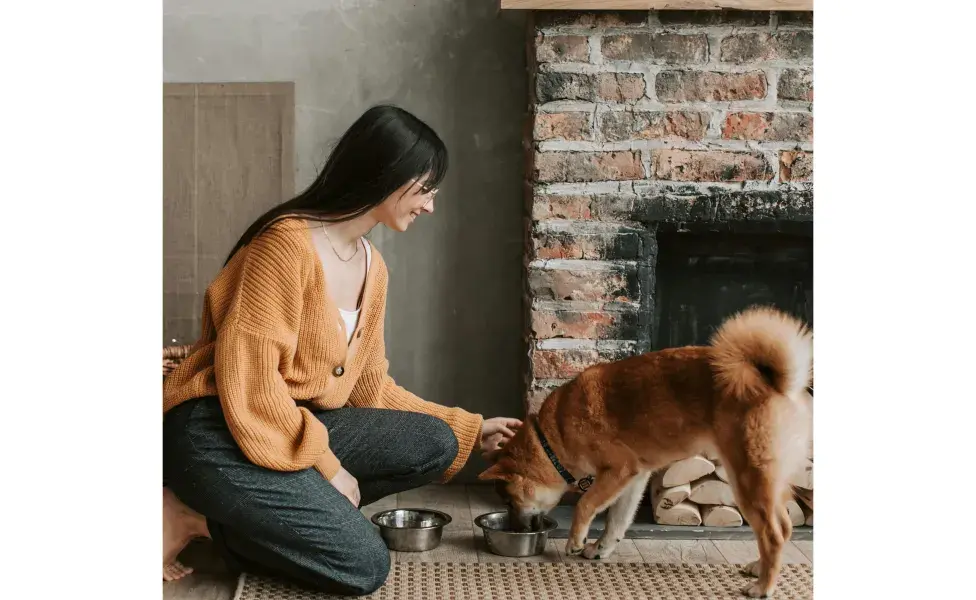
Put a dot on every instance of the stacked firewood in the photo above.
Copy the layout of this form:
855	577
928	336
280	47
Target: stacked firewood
802	483
696	492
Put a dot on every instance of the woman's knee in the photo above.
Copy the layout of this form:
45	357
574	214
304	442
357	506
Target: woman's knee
373	570
361	570
441	445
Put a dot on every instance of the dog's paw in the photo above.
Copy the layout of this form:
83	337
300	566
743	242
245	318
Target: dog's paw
757	591
595	551
752	569
574	550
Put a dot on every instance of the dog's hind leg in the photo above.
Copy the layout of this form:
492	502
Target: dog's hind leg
619	517
605	490
773	529
761	501
762	444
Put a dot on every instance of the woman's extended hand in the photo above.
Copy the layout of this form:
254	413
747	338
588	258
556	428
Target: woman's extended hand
347	486
495	433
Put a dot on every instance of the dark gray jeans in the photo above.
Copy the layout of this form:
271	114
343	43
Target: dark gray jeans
295	524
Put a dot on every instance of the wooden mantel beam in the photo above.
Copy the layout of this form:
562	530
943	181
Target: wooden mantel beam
801	5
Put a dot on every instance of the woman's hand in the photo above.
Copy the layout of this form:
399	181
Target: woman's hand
347	486
495	433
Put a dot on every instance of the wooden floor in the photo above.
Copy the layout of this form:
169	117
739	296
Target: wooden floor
462	542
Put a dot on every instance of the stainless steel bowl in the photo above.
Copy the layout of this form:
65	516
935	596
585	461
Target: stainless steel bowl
503	541
411	529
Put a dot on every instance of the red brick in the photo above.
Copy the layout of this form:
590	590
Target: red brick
591	19
562	48
573	126
752	47
610	87
575	167
662	48
566	364
593	246
796	84
795	165
768	127
709	86
588	286
560	207
602	207
619	126
620	87
591	325
562	364
709	165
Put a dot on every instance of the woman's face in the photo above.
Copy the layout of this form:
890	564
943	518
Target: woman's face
410	201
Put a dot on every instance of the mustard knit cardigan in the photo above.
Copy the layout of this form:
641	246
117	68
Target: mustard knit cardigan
272	336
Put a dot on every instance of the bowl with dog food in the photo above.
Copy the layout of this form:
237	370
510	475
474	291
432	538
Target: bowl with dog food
411	529
504	540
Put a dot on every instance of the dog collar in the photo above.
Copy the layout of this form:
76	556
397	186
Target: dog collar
583	484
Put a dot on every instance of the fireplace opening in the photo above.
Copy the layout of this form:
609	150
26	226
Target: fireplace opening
703	278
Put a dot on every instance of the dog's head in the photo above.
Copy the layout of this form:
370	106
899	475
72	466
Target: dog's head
525	480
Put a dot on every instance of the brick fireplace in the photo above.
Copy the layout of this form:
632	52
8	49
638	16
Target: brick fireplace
669	184
670	168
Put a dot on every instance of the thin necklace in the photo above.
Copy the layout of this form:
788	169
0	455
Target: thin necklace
345	260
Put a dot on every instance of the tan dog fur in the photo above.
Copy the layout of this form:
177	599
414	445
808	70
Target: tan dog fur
743	397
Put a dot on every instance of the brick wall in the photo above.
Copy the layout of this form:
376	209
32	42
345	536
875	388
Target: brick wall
641	119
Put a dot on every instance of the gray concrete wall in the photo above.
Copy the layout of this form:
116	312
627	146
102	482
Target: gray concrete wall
454	318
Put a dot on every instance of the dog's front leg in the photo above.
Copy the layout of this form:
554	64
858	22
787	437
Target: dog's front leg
605	490
619	517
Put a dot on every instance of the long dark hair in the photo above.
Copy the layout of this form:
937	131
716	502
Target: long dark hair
384	149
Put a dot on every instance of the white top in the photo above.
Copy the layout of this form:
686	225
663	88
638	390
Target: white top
351	317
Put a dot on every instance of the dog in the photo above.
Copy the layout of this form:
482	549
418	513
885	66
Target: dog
742	398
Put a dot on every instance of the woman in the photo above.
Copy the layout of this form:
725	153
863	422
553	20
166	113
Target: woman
283	420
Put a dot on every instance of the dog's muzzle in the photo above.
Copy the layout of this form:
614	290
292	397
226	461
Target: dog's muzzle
525	522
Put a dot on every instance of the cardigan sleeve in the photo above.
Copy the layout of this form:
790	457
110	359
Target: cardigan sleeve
257	338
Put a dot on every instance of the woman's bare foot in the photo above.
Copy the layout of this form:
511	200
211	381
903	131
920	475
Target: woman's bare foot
175	570
180	525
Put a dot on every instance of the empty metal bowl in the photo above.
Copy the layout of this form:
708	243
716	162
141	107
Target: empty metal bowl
411	529
503	541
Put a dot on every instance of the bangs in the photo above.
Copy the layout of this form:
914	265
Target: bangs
434	169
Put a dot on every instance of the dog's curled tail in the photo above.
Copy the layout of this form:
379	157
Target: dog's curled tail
762	351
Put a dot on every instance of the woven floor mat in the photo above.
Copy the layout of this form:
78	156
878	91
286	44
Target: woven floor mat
552	581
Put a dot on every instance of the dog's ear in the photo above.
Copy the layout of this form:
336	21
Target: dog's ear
495	472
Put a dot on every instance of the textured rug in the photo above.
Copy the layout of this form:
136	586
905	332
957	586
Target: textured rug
552	581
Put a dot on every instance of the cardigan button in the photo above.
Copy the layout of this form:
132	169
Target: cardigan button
338	371
359	333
